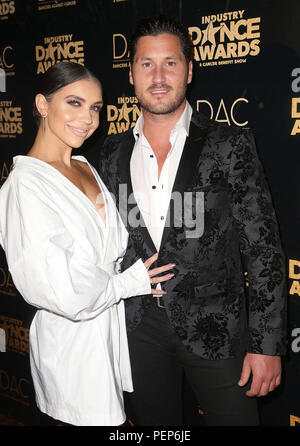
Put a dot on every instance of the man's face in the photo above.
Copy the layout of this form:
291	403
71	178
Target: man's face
160	73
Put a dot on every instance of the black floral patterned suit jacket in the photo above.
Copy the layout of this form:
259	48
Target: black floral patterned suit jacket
214	311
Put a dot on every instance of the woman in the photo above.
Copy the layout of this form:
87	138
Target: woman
64	241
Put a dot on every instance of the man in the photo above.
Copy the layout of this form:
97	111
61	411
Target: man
201	201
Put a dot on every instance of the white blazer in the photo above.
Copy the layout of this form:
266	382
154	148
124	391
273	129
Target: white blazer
65	260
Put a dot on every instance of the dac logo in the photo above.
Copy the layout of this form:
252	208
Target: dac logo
123	116
6	284
58	49
14	387
120	51
6	8
228	38
223	114
10	120
5	172
6	60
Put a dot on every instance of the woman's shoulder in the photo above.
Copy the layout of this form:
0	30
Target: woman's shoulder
26	172
25	168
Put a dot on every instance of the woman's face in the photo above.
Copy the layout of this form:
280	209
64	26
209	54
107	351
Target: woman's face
72	113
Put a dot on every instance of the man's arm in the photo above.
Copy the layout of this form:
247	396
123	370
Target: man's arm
263	260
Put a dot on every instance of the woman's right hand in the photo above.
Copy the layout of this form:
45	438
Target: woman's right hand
153	273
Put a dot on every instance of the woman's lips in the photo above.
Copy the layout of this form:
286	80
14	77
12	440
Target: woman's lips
78	131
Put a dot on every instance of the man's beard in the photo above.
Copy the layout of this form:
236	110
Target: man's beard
161	108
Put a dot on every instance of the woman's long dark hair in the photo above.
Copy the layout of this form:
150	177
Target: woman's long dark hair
58	76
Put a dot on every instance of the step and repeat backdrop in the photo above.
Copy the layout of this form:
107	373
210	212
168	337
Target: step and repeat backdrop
246	73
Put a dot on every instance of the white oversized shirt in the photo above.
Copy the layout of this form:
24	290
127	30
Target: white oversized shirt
153	194
65	260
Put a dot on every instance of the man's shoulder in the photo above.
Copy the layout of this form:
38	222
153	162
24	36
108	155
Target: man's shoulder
216	128
113	150
119	139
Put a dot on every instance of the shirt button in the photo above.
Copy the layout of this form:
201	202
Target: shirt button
151	156
153	187
162	217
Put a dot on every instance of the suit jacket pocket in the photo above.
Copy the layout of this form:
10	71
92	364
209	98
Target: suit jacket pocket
210	289
218	289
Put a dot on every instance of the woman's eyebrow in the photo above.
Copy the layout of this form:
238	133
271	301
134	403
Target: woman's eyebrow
81	99
74	96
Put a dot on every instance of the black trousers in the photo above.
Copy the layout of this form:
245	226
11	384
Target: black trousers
159	361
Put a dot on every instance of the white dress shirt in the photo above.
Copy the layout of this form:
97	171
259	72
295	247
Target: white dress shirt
153	194
65	260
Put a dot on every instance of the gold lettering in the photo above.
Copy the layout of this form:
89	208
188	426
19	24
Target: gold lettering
112	129
295	288
3	61
135	112
241	124
294	420
222	105
295	112
292	265
39	52
112	113
255	49
296	127
220	52
122	126
231	49
10	114
253	27
206	52
197	31
119	56
243	49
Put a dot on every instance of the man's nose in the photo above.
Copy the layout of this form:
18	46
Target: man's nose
158	74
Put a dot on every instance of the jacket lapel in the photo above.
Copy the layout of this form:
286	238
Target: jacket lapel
187	171
185	176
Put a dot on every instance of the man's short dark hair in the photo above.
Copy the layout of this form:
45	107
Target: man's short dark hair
153	26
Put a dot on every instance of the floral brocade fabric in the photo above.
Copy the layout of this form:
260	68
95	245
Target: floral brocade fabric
228	295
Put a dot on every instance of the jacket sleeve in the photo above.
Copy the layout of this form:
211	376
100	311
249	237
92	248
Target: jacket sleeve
48	268
260	247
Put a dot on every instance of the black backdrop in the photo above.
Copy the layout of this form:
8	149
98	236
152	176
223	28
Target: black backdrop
246	73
